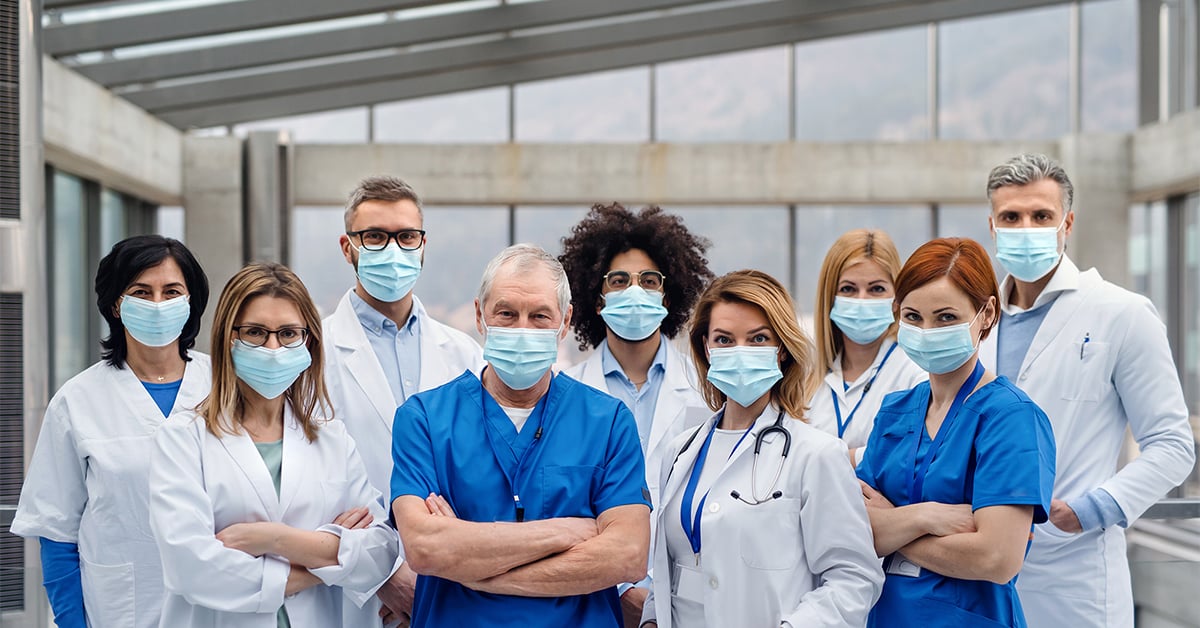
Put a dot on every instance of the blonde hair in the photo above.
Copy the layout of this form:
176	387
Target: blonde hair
307	396
853	247
756	288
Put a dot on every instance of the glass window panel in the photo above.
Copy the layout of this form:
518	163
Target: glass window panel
1109	65
601	107
168	221
742	237
733	97
1005	76
71	307
347	126
547	226
817	227
872	86
315	231
969	221
112	219
478	116
1190	274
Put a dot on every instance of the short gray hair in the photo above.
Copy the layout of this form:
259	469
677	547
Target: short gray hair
524	256
381	188
1028	168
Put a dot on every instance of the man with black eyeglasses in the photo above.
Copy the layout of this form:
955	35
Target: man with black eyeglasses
383	348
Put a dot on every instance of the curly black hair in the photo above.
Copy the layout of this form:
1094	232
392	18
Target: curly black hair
608	231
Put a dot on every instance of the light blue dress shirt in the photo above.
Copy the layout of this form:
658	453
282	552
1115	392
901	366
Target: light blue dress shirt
641	402
397	349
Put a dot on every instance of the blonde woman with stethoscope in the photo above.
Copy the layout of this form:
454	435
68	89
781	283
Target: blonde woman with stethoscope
855	333
762	522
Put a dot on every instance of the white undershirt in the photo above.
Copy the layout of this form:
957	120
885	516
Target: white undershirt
679	548
518	416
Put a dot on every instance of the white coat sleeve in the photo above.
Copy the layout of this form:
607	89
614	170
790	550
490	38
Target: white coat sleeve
55	493
1148	385
367	556
195	564
838	543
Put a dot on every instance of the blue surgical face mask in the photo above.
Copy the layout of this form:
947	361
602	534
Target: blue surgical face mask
1028	254
270	372
390	273
863	321
520	356
744	374
633	313
940	349
155	324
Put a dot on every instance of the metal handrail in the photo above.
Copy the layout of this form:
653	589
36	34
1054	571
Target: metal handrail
1174	508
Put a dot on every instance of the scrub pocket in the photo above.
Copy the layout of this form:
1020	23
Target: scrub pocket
769	533
108	593
567	491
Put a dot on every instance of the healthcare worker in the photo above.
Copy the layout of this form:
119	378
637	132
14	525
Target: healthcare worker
959	468
520	494
762	524
855	334
261	507
634	279
382	347
1095	357
85	494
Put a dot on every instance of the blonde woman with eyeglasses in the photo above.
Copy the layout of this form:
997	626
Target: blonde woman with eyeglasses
261	506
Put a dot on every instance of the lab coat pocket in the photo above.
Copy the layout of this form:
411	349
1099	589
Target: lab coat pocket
108	593
567	491
769	533
1084	373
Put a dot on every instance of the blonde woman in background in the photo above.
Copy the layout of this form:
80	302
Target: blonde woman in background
259	505
762	523
855	331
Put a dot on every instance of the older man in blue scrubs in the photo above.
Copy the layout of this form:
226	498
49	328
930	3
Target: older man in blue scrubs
520	495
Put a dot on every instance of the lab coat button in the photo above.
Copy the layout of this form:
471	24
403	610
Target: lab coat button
714	507
713	583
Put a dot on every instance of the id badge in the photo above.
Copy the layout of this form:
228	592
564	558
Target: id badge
689	583
900	566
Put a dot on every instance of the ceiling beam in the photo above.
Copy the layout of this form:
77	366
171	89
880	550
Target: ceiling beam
657	50
341	41
204	20
713	22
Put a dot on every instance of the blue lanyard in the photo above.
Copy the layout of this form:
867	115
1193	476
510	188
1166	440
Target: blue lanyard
515	479
837	410
916	484
691	526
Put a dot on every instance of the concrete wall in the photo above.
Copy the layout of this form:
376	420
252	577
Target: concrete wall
1166	157
212	201
91	132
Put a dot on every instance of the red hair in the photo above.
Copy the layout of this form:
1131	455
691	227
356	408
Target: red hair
961	260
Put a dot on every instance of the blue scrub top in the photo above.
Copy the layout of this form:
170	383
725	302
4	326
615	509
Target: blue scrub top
998	451
456	441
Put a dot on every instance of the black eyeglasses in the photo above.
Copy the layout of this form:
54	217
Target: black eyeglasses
256	336
377	239
647	280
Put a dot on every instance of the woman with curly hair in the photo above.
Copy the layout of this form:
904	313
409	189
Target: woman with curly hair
634	279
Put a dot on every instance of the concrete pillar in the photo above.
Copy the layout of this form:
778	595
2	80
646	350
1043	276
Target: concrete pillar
1099	166
213	224
268	195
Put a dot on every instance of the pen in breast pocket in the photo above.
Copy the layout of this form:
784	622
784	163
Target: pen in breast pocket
1087	337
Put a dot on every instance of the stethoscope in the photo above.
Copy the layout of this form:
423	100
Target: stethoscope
775	428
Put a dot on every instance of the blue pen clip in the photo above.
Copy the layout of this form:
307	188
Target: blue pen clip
1087	337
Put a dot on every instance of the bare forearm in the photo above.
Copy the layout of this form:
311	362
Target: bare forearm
967	556
895	528
300	579
306	548
466	551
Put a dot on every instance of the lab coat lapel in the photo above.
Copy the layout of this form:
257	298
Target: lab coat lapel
196	384
292	476
684	461
245	455
593	371
433	341
362	363
130	389
672	399
1062	311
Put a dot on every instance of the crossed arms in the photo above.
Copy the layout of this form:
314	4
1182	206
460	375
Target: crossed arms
545	558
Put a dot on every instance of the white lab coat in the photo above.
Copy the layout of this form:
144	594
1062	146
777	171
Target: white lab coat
899	373
201	484
87	485
678	408
1123	376
807	558
363	401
